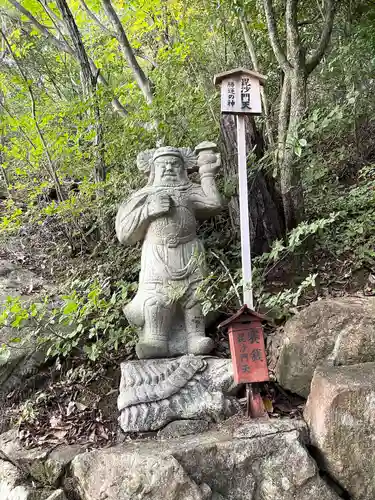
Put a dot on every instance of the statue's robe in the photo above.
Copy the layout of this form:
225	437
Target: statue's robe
172	255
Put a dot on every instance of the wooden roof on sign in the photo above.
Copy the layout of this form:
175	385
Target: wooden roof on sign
234	72
242	312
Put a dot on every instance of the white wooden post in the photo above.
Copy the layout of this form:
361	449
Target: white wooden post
240	95
244	214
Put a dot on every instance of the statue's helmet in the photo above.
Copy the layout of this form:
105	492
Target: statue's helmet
145	159
168	151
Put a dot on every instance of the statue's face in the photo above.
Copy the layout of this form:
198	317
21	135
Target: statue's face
169	171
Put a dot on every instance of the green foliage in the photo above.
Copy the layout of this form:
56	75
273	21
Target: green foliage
295	239
180	45
222	289
93	317
279	304
87	320
354	232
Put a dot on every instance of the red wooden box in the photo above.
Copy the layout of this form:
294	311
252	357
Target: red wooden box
246	340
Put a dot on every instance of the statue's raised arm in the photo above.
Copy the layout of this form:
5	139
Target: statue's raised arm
206	197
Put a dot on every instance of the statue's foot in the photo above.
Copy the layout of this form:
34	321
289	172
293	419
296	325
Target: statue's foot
200	345
146	350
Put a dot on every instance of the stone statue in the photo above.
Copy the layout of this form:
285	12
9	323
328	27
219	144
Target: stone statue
163	214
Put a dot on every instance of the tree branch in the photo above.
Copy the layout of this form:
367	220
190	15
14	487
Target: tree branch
292	35
143	82
274	37
315	58
51	169
58	23
60	45
104	28
96	20
63	46
253	56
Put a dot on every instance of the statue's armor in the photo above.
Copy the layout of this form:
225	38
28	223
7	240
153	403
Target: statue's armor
172	241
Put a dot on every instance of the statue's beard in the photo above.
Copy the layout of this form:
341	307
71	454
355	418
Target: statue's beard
170	181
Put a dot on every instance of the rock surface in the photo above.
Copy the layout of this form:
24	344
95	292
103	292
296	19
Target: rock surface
14	485
45	465
24	358
341	415
156	392
340	330
222	464
183	428
57	495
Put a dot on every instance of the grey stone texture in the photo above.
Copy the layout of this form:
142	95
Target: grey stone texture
57	495
155	392
338	331
274	465
25	358
15	486
46	465
163	216
340	413
183	428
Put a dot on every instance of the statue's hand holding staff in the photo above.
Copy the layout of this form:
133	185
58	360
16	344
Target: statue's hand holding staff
158	204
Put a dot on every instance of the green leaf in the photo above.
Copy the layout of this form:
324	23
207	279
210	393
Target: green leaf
70	307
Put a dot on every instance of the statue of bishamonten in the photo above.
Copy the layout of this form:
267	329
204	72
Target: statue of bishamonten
163	214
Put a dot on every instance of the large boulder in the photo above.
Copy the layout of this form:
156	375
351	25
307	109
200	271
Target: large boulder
340	412
15	280
339	331
256	461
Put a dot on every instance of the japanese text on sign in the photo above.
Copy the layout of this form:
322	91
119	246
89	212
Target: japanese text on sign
241	94
231	93
248	352
245	93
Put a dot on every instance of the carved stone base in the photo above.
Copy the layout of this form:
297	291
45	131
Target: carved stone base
155	392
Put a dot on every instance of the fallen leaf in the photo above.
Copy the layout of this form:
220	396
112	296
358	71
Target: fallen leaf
268	405
55	421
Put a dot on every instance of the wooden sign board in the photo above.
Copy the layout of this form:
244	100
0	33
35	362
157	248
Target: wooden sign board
248	353
240	91
246	341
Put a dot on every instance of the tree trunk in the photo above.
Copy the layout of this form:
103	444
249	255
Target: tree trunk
140	77
266	224
296	68
2	144
284	115
88	80
290	174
